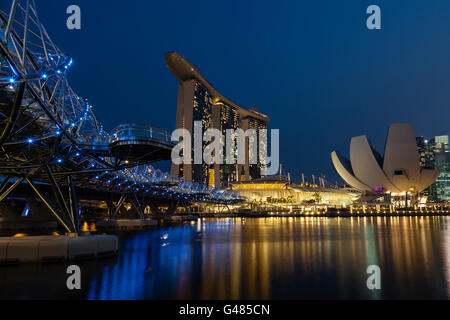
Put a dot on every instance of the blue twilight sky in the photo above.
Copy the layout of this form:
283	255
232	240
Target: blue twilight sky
312	66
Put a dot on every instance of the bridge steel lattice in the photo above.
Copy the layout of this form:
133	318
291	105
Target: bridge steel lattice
49	135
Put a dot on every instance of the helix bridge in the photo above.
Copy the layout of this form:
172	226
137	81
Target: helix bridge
50	139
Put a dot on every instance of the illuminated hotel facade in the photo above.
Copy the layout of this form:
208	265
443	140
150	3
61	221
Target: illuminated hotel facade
198	100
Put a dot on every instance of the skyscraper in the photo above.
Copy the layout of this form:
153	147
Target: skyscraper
426	152
436	152
441	154
198	100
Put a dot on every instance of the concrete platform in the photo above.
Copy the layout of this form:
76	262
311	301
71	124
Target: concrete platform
56	248
126	224
24	226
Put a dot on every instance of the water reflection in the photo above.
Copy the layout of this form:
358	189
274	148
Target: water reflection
268	258
446	253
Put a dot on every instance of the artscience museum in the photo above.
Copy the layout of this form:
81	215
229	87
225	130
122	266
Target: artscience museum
398	172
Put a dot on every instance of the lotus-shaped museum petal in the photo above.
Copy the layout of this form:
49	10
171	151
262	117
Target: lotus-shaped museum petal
399	171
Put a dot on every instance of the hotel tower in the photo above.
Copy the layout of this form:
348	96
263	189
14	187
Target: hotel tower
198	100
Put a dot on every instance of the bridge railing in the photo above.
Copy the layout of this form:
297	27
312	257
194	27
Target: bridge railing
127	132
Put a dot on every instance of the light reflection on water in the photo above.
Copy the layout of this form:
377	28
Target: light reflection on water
260	258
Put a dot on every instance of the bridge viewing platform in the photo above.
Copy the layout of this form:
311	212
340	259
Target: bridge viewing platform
139	141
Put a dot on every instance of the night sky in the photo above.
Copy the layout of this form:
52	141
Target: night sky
312	66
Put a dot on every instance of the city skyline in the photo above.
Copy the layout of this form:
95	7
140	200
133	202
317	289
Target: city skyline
435	151
87	210
300	72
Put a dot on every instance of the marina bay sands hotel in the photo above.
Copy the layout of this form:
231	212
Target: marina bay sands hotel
198	100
